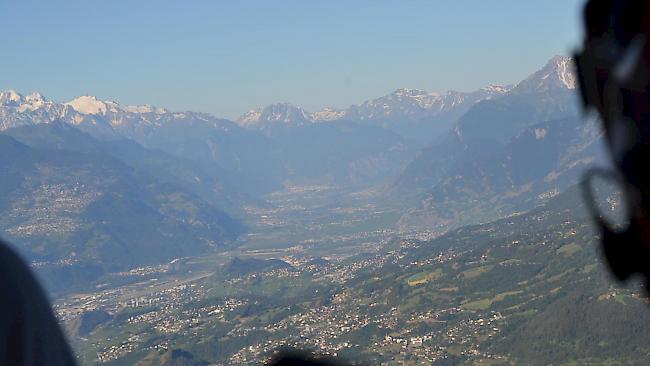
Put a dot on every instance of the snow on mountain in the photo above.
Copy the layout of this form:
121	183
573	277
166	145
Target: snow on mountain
327	114
251	117
402	103
145	108
498	89
10	97
566	71
284	113
91	105
279	114
32	102
91	114
414	104
18	110
557	74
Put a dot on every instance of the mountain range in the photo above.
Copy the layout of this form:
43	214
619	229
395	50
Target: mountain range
415	114
446	159
504	155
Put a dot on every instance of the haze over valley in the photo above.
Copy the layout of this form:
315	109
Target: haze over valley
414	228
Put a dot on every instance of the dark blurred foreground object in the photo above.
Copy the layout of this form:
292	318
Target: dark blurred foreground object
29	332
614	78
293	357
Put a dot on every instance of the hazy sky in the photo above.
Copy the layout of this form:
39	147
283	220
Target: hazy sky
227	57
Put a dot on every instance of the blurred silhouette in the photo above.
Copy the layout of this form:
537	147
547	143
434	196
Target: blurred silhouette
29	332
614	78
293	357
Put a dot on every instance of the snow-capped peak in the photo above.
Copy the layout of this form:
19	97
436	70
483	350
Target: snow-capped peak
250	117
279	113
88	105
31	102
558	73
89	112
285	113
415	103
35	97
10	96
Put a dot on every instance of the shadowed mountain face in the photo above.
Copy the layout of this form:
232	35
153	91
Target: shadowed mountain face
175	357
83	325
77	215
542	161
215	185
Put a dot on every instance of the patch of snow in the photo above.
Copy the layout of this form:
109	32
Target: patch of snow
566	73
327	114
250	117
497	88
146	108
35	97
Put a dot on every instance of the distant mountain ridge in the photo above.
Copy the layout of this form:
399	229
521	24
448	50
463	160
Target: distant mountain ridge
405	111
489	125
17	110
411	113
504	155
260	162
403	102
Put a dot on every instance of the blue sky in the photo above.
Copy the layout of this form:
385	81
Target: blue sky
227	57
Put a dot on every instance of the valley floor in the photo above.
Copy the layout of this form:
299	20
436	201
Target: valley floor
489	294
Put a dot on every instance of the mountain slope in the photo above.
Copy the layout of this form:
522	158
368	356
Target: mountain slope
78	215
212	185
540	162
489	125
504	155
